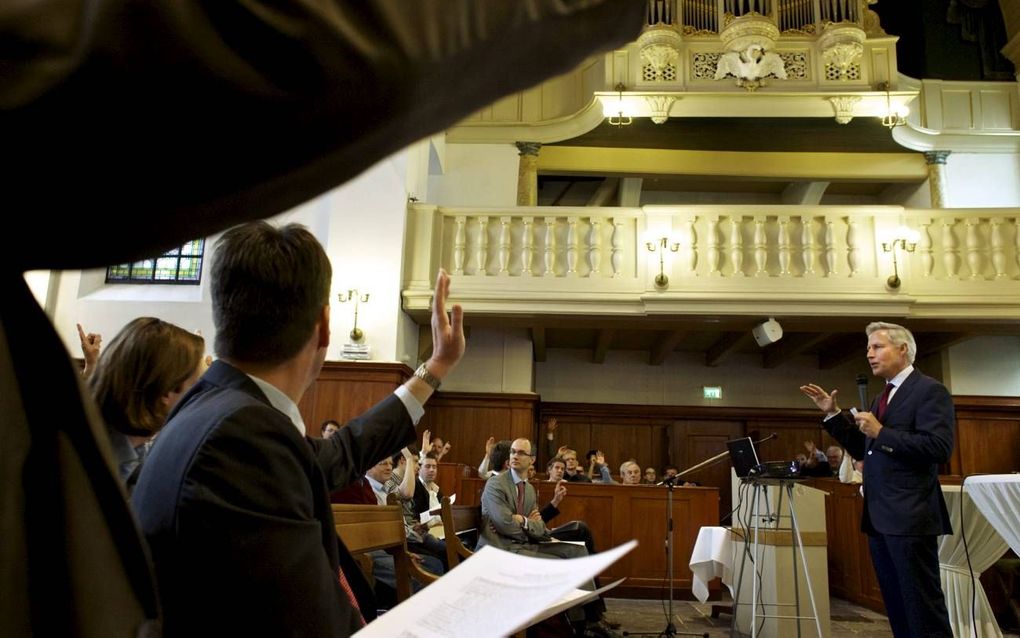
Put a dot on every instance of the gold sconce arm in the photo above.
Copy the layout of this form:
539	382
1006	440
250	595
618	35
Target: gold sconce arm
661	245
890	247
353	295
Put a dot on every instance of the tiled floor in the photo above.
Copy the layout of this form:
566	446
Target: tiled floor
637	616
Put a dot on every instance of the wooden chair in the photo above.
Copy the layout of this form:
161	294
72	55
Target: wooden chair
366	528
458	518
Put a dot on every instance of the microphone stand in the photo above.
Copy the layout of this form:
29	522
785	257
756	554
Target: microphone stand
670	483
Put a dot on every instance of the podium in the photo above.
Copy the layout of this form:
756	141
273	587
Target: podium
781	580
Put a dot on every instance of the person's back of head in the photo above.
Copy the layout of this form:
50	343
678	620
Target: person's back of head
142	371
500	456
269	287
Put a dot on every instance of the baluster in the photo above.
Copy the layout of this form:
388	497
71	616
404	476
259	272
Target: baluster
550	247
784	246
692	247
737	245
760	247
829	247
1016	239
595	246
572	246
504	246
924	242
998	248
951	256
616	241
459	245
714	250
851	245
483	246
527	247
807	240
974	257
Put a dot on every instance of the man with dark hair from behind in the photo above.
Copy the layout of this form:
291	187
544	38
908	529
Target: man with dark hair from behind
234	498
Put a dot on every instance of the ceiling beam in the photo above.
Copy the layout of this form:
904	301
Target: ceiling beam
663	345
538	343
935	342
604	193
804	193
630	191
725	346
846	348
603	340
563	193
790	346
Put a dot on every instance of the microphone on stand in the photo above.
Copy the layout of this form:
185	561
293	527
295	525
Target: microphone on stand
862	391
768	438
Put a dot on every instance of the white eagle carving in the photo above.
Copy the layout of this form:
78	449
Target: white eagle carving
750	66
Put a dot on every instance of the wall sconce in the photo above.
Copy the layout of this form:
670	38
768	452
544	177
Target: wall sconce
661	280
619	119
353	295
893	117
890	247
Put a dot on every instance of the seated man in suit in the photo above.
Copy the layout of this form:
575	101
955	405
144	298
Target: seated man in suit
511	521
234	497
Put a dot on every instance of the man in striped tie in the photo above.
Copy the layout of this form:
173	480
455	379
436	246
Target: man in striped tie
902	439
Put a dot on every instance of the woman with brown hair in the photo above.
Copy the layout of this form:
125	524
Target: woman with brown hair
139	377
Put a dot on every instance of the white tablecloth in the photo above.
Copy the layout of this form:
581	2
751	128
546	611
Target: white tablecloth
985	546
998	498
712	557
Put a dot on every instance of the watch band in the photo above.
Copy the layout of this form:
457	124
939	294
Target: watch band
423	373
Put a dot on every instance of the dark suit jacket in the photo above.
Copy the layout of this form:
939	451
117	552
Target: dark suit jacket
901	488
235	505
421	497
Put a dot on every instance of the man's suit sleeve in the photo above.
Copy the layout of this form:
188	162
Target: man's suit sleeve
363	442
843	428
931	438
549	512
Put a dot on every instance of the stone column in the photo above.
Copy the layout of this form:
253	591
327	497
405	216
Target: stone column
527	173
937	176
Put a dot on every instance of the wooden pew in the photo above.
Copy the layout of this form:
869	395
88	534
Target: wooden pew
458	518
366	528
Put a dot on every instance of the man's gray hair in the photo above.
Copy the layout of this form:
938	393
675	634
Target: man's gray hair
898	335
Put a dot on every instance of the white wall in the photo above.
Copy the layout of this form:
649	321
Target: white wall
986	366
982	180
626	377
476	175
495	361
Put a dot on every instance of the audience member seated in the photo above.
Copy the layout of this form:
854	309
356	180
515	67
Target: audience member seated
511	521
598	469
329	428
649	477
555	468
434	445
137	380
406	485
815	462
573	472
670	471
496	460
834	455
630	473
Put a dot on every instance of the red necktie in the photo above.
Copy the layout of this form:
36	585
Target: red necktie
346	586
883	402
520	498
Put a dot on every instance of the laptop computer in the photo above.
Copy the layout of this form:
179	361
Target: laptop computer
743	456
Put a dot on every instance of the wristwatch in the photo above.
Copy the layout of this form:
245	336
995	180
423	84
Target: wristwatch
423	373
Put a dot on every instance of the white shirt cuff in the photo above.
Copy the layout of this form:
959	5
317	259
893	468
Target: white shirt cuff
414	408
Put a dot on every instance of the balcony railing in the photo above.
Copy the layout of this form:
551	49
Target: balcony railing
705	16
749	255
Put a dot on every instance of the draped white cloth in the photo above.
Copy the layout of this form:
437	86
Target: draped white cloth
712	557
985	545
998	498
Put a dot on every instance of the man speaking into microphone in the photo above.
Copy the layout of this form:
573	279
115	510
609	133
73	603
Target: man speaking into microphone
903	438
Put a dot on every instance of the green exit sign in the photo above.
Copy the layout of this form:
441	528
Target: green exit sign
711	391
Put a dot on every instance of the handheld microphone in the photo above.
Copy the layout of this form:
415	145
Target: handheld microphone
862	391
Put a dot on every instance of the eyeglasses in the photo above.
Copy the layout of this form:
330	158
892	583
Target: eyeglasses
514	452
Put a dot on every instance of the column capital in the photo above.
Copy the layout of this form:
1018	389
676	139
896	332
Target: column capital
528	148
936	157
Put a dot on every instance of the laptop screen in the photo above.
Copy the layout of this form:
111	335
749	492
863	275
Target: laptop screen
743	456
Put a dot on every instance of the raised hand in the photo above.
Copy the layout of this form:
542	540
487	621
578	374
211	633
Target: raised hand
90	346
489	444
825	401
447	330
426	442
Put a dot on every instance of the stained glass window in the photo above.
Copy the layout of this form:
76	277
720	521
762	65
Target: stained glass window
177	266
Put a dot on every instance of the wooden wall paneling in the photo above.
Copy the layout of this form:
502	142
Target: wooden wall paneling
346	389
698	440
572	431
987	435
466	420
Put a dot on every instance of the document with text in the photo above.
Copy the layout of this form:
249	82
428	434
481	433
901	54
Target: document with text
495	593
